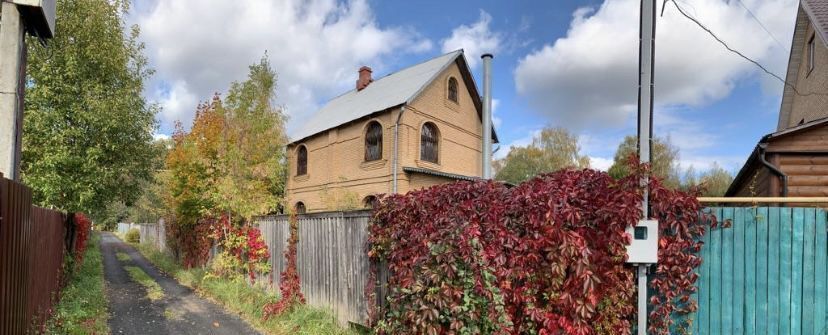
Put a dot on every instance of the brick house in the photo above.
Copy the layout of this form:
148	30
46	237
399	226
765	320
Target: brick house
793	160
414	128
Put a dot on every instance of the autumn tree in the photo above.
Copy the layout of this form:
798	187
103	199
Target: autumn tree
87	128
664	163
714	182
232	159
551	150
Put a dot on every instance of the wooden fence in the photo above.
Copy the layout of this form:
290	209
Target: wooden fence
331	259
765	274
153	234
32	247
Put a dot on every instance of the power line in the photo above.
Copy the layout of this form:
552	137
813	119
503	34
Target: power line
723	43
761	24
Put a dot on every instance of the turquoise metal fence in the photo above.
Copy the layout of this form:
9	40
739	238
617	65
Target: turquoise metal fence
765	273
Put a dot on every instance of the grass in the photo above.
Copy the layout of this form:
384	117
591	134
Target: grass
83	306
122	257
154	291
247	301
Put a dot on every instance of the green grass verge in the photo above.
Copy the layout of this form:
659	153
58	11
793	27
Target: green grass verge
247	301
154	291
122	257
83	306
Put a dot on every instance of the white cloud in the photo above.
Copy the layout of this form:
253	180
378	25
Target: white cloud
588	79
475	39
316	47
158	136
600	163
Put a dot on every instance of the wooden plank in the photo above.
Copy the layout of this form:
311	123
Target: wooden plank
736	216
750	274
808	181
737	301
808	267
808	191
785	268
803	160
702	296
796	270
716	279
761	215
805	170
821	273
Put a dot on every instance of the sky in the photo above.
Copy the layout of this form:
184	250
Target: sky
563	63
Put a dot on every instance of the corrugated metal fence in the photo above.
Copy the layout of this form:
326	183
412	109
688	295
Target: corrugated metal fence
765	274
331	258
32	241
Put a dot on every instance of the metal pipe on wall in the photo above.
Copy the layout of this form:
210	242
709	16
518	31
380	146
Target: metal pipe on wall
395	166
487	116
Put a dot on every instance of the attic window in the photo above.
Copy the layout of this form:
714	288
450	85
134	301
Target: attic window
373	142
302	161
452	89
811	54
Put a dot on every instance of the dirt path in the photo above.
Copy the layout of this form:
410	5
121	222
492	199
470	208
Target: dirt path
179	311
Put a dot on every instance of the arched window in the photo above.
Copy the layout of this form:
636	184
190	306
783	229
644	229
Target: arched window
452	89
370	201
373	141
429	143
301	161
300	208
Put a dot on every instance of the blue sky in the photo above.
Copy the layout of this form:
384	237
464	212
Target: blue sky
568	64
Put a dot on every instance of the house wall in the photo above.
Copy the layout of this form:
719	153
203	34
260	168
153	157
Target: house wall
336	167
804	106
756	184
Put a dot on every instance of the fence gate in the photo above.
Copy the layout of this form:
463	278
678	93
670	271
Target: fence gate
765	274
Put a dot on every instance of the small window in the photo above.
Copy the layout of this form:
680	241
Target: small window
370	201
373	141
300	208
301	161
811	54
429	143
452	89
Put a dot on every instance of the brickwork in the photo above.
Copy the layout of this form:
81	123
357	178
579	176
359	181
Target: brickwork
336	167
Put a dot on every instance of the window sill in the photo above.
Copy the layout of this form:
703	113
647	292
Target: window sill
427	164
373	165
303	177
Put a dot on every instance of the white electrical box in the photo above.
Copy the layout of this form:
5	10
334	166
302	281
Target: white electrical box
39	16
644	246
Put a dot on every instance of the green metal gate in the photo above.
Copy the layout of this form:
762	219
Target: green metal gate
765	273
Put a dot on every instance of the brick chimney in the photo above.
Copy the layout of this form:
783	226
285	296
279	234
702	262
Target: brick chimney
364	78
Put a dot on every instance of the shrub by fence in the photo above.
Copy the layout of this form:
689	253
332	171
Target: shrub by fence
33	242
331	259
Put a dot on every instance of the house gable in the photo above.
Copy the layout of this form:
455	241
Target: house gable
801	105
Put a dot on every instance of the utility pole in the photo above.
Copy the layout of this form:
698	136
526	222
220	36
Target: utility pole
646	67
37	17
487	116
12	72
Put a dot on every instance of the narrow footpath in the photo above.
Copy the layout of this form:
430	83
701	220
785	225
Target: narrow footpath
178	311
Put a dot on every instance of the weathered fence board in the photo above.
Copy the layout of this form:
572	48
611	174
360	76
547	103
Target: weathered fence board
331	258
770	278
31	258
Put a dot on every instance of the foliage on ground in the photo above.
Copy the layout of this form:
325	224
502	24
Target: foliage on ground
86	139
544	257
122	257
239	296
82	308
154	291
133	235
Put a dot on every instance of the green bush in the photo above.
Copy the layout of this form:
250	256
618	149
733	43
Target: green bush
133	236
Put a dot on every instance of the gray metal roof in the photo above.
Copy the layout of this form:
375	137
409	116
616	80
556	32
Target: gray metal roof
410	169
387	92
818	12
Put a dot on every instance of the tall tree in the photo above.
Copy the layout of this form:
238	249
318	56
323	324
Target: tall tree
232	159
664	164
551	150
714	182
87	128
